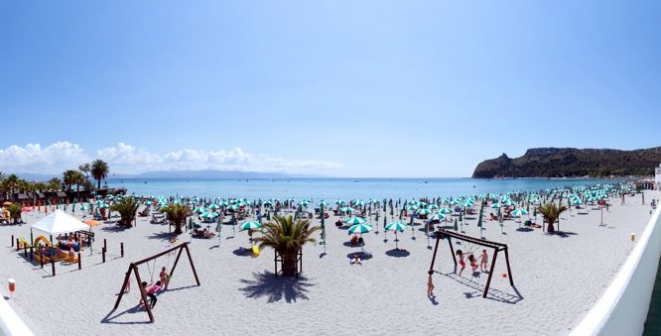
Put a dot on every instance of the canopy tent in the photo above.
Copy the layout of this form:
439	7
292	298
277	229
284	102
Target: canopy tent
59	222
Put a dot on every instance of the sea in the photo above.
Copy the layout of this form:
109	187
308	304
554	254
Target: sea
340	188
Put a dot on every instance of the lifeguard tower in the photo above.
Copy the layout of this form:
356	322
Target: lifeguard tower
657	177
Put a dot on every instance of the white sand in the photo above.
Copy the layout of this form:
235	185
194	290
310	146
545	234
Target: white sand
558	278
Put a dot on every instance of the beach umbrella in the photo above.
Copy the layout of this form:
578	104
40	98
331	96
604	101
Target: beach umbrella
437	216
518	213
423	212
200	210
252	225
396	227
432	206
346	209
360	228
445	211
92	222
412	207
354	220
496	205
322	203
234	207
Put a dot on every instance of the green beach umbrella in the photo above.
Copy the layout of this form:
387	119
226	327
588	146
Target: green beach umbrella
360	228
354	220
252	225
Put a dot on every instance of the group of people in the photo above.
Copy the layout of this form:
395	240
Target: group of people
483	264
484	258
151	290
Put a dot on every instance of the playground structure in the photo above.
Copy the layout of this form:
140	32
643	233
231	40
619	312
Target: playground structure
497	247
44	252
133	268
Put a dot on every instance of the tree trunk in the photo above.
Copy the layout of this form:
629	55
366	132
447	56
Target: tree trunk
289	264
550	228
177	228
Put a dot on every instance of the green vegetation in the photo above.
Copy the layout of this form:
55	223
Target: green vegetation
12	184
551	213
571	162
127	208
287	237
177	214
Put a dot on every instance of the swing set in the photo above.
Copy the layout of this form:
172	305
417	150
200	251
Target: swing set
133	268
497	247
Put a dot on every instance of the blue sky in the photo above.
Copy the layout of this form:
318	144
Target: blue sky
339	88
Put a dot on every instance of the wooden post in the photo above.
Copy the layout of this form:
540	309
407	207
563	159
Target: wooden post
493	265
190	259
105	243
41	258
52	262
18	248
144	295
31	254
121	249
25	250
454	257
433	258
80	261
103	254
12	240
509	271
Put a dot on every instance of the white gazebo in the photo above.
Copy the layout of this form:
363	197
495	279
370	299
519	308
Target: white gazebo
59	222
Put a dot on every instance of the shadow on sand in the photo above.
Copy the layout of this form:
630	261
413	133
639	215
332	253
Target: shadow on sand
265	284
478	289
398	253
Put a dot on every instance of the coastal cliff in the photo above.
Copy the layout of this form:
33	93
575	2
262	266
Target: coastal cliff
571	162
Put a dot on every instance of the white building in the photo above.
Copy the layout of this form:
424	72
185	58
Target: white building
657	177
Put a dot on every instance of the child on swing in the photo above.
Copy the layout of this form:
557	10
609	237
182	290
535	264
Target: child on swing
165	278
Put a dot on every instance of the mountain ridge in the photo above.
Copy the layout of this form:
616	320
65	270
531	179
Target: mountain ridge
571	162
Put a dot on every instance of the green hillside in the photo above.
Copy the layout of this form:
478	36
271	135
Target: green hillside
572	162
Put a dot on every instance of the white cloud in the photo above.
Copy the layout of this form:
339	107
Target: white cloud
32	158
126	159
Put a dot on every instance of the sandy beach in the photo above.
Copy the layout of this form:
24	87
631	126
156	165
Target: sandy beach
557	278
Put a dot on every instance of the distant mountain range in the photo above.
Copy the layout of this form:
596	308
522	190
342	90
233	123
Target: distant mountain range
572	162
183	174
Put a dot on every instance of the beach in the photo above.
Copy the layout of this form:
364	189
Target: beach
557	278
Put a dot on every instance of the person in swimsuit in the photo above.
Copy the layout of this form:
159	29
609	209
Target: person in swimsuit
473	262
484	258
430	286
165	278
462	263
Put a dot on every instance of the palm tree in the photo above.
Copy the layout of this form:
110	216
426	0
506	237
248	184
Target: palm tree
99	171
551	213
127	208
15	212
177	214
287	237
85	169
54	184
11	182
70	177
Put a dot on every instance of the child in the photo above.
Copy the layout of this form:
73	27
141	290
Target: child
473	262
151	293
462	263
484	258
430	286
144	288
165	278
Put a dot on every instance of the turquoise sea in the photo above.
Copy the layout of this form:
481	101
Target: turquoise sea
334	188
